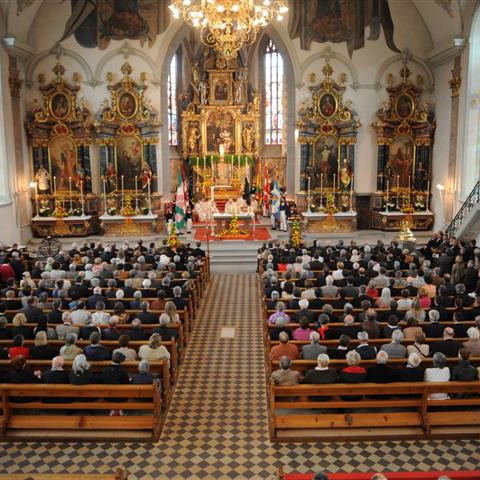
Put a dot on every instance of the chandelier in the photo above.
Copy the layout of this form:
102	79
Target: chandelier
228	25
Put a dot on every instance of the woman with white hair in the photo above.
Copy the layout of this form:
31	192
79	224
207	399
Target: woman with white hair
439	373
473	342
81	373
384	300
412	372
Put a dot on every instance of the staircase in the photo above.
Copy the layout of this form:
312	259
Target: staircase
466	223
233	256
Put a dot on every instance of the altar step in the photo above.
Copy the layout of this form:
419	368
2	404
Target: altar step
236	256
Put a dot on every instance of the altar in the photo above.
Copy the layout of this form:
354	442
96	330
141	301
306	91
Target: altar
320	222
69	226
223	220
392	221
119	225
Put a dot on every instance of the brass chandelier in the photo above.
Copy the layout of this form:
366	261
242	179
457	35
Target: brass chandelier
228	25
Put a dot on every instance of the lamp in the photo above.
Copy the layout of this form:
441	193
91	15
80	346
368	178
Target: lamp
228	25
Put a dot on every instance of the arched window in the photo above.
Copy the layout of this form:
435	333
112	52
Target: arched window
273	95
172	102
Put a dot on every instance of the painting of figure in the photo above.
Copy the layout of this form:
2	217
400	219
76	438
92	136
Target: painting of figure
127	105
129	160
404	106
220	131
221	90
63	161
400	160
325	159
59	105
328	105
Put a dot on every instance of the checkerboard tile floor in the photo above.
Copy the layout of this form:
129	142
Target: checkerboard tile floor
216	427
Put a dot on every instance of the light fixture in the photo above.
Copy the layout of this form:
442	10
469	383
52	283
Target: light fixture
440	187
228	25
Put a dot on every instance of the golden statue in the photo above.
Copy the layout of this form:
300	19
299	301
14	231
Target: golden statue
193	137
345	175
248	137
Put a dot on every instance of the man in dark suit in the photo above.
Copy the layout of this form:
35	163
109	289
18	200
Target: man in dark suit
434	329
304	312
381	373
413	372
31	311
96	297
448	346
112	332
145	316
366	351
349	289
136	332
177	299
56	375
321	374
115	374
96	351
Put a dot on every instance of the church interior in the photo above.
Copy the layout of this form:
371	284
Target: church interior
213	209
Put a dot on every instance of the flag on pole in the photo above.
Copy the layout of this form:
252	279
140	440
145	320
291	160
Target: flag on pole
276	199
266	188
180	204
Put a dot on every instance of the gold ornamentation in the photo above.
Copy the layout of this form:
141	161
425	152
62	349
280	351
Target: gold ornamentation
455	83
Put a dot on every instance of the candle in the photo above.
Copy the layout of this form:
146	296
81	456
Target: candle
70	191
123	193
351	185
321	183
409	187
204	163
334	179
54	185
427	200
81	198
149	197
398	186
386	202
238	158
105	194
36	198
197	162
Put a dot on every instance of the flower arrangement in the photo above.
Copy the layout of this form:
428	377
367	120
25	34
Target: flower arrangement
233	229
111	210
330	207
59	211
44	210
76	211
127	210
173	240
418	204
408	208
296	234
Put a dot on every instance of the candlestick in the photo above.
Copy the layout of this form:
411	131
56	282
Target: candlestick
36	198
149	191
105	195
398	187
55	186
409	187
386	202
70	193
321	190
81	198
333	189
123	191
427	200
136	194
351	194
308	195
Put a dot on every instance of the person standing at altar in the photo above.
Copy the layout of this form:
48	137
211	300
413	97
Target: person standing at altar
188	218
283	214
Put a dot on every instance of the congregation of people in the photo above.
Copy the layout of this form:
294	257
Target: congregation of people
86	294
356	303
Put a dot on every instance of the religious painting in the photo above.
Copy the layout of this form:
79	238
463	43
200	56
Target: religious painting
60	106
404	106
220	132
220	89
127	105
400	161
327	105
129	156
325	159
340	21
63	161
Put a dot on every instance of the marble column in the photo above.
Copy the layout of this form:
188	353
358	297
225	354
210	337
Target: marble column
455	84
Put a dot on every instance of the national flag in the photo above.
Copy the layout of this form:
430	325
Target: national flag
266	188
276	199
180	205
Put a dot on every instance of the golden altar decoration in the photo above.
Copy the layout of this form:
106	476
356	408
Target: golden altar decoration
220	126
405	129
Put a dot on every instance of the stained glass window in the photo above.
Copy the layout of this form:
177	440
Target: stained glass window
172	102
273	95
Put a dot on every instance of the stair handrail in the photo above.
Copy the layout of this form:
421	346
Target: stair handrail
472	199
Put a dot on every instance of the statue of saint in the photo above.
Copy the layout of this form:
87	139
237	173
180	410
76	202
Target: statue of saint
203	86
248	137
192	138
42	177
195	83
345	174
238	91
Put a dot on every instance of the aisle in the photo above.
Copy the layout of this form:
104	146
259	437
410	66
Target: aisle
217	425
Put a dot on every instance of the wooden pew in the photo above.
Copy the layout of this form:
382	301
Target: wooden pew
170	345
69	421
383	411
159	368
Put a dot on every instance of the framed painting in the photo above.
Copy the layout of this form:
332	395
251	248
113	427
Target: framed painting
327	105
220	89
60	106
127	105
62	152
325	160
220	130
129	159
404	105
401	157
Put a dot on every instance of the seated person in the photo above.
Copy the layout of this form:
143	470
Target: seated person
464	371
70	350
439	373
302	333
96	351
381	373
81	373
413	372
154	350
18	348
366	351
284	348
163	329
41	350
341	351
353	373
395	349
285	375
312	351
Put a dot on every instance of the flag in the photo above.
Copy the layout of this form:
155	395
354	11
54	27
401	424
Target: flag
246	191
266	188
276	199
180	204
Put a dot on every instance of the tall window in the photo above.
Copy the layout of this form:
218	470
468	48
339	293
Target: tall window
273	95
172	102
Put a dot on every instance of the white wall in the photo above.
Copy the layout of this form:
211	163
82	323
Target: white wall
366	67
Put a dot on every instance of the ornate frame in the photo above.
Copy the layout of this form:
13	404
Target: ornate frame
315	124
